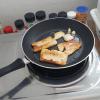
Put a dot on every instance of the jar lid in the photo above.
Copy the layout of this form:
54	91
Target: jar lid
29	17
62	14
82	9
40	15
52	15
19	24
71	14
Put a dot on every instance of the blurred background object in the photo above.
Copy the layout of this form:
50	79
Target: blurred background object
71	14
1	28
62	14
8	29
19	24
40	15
82	13
29	18
52	15
15	9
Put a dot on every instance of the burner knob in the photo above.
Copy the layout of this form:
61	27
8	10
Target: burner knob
19	24
62	14
29	17
40	15
52	15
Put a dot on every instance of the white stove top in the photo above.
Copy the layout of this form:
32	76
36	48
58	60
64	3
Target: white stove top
18	85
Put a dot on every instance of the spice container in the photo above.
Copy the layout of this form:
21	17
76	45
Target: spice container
40	15
19	24
71	14
52	15
29	18
82	13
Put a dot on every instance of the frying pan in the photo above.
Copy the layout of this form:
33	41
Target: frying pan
47	28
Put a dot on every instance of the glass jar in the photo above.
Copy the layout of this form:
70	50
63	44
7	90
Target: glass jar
82	13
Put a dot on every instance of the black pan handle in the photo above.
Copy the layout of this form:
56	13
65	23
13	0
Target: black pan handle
17	64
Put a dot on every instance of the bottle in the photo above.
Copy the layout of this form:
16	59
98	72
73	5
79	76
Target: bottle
19	24
40	15
62	14
82	13
29	18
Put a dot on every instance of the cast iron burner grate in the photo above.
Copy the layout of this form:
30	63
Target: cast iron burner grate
58	77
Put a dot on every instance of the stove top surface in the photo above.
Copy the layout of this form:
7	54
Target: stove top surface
19	85
64	77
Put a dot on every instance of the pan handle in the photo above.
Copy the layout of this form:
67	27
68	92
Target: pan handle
17	64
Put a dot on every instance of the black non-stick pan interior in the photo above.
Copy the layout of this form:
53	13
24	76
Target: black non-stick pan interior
47	28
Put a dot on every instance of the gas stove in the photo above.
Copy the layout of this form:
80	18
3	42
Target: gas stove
20	85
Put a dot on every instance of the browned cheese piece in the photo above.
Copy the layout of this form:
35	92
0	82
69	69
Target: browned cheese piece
53	56
44	43
71	47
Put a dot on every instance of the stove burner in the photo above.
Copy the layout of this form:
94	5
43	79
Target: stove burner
58	77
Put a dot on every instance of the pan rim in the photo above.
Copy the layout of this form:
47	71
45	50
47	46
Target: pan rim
62	67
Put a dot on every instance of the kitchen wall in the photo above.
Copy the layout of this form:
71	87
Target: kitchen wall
14	9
